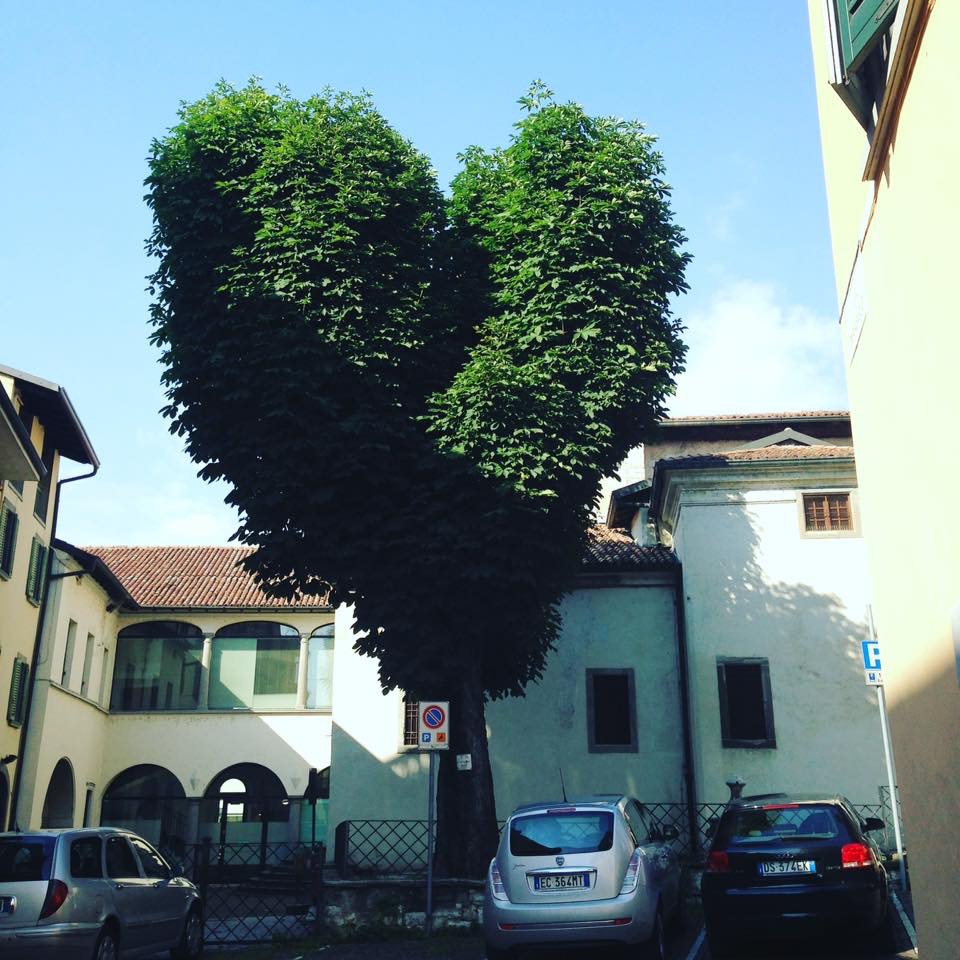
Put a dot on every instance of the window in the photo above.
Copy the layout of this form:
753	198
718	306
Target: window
153	864
157	666
120	859
411	723
746	705
85	858
320	669
87	664
37	572
17	703
104	668
255	665
611	711
68	653
42	500
8	539
827	513
859	36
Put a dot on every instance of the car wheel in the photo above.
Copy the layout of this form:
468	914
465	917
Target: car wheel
107	946
191	941
497	953
655	948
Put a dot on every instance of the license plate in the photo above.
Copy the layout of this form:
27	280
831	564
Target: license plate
770	868
561	881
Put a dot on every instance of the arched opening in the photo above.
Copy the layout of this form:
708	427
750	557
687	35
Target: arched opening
157	667
320	668
245	809
254	666
149	800
58	804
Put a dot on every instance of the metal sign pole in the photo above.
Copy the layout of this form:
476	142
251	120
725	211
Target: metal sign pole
428	919
891	770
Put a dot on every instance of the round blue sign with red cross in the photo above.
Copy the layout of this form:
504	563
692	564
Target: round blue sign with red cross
434	716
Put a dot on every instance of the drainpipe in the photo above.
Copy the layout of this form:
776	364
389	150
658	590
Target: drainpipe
688	769
35	659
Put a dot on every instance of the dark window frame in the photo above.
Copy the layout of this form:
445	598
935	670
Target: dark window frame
593	746
768	742
9	525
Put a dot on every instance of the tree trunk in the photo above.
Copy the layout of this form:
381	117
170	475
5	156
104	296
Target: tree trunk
466	811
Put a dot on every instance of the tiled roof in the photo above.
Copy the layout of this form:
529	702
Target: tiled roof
609	549
778	452
210	576
190	577
726	417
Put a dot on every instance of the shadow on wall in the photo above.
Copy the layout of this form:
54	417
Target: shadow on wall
756	588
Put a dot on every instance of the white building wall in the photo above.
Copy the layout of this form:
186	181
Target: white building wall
755	587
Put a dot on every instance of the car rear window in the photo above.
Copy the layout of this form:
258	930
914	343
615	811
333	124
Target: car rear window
546	834
782	822
25	858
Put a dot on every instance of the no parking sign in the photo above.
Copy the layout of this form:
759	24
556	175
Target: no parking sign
435	725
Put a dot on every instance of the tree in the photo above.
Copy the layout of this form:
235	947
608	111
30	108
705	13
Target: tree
414	399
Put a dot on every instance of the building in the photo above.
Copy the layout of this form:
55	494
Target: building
890	135
38	430
171	695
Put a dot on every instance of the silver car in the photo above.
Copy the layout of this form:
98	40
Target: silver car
93	893
588	872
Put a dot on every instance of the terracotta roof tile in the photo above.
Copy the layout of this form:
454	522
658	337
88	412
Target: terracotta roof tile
610	549
210	576
726	417
190	577
778	452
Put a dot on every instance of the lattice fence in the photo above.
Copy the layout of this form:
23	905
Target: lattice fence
256	892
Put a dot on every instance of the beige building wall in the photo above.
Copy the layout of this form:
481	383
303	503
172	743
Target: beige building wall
18	614
894	242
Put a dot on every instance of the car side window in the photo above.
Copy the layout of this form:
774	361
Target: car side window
85	858
120	859
153	864
638	824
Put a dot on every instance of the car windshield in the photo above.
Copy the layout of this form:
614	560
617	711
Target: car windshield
781	821
25	858
549	833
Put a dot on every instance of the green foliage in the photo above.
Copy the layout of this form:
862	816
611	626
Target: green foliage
413	400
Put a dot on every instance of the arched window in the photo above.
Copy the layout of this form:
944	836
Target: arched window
58	803
157	667
151	801
320	669
254	665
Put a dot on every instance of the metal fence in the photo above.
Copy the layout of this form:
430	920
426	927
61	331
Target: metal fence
399	847
256	892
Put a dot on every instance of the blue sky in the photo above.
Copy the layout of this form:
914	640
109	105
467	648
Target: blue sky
726	87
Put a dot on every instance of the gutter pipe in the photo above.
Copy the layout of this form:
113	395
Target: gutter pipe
684	670
41	622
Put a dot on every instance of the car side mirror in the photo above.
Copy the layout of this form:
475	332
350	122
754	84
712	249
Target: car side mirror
176	870
874	823
669	832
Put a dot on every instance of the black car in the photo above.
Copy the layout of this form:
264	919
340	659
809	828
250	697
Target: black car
782	864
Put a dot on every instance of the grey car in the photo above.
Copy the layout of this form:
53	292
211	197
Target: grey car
93	894
589	872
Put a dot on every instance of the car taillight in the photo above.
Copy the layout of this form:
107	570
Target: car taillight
856	855
718	861
56	894
632	877
496	882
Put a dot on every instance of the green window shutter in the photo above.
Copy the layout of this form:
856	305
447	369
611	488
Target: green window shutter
9	522
35	575
860	23
17	704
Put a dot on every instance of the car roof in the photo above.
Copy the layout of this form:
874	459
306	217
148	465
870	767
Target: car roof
60	831
595	800
762	799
